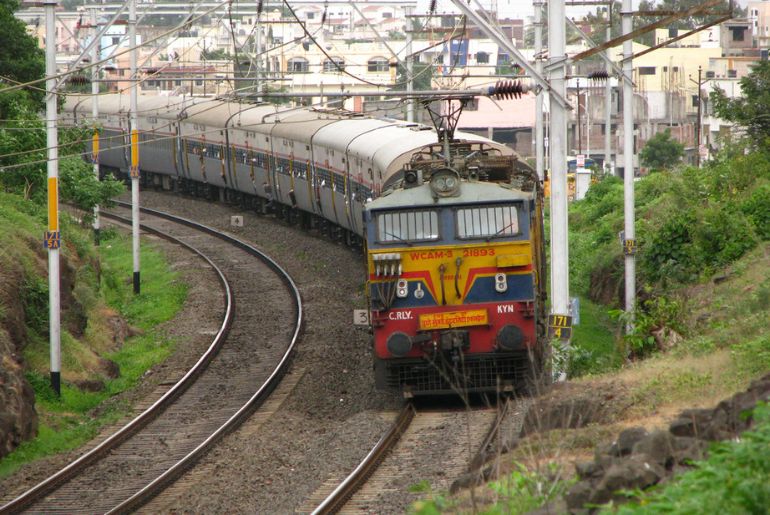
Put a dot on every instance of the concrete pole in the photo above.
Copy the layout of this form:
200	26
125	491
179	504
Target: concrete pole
698	128
53	236
608	100
95	116
539	153
588	121
579	121
558	148
629	245
134	127
409	65
258	59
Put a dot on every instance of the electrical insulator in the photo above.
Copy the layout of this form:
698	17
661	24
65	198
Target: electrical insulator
505	89
432	6
599	75
259	7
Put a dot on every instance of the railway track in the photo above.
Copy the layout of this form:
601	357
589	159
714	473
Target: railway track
236	374
411	436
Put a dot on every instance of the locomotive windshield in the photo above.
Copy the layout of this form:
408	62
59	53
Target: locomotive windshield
407	226
487	222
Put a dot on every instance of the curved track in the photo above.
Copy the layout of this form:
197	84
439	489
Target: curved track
410	436
243	365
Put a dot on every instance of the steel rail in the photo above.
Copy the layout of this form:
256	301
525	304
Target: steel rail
133	427
494	431
337	499
48	485
176	470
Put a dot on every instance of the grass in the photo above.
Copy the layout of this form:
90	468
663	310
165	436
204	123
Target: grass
69	421
595	347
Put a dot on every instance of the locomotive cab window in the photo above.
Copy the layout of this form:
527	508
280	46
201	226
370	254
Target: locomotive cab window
487	222
407	226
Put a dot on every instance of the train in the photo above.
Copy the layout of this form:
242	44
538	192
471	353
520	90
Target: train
450	223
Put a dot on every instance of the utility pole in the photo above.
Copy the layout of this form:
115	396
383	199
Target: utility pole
134	128
698	121
558	146
257	56
409	65
95	116
629	243
53	236
579	121
608	100
539	152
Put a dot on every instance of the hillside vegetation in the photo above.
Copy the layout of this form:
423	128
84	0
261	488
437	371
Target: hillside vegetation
108	340
700	333
691	224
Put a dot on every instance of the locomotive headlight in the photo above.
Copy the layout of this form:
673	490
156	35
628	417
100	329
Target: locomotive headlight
501	283
399	344
402	289
445	183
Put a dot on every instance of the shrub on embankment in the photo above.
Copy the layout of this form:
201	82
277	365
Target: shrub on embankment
690	224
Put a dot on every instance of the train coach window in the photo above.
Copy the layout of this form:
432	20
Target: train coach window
487	221
407	226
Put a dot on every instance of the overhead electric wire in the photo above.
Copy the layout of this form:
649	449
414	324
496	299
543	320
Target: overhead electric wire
102	61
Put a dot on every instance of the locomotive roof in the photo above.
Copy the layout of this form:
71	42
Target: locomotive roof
470	193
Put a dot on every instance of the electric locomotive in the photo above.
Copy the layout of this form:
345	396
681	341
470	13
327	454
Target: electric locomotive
452	225
456	273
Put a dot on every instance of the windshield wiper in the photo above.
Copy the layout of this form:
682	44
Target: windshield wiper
399	238
498	233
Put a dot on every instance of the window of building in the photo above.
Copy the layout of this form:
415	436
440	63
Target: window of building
387	16
739	33
310	16
297	65
646	70
334	64
377	64
487	221
482	58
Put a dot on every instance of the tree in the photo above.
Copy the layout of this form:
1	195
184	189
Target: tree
217	54
661	151
23	133
20	60
752	109
423	77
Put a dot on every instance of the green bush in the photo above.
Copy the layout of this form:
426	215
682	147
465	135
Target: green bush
668	250
34	298
722	235
757	208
